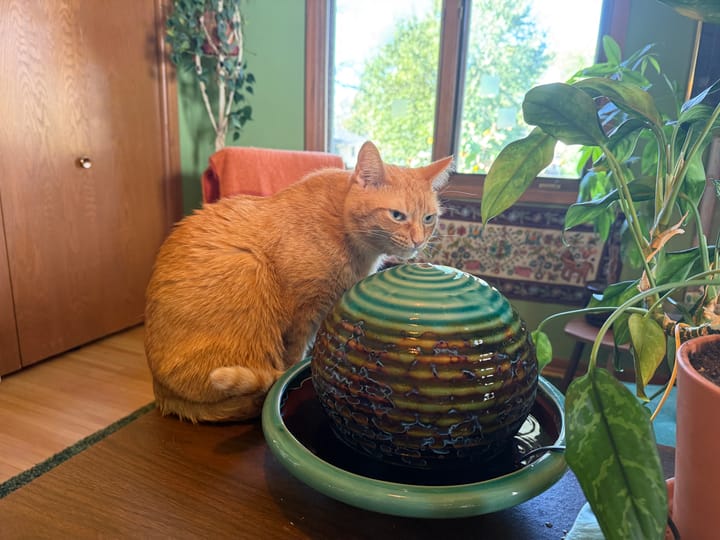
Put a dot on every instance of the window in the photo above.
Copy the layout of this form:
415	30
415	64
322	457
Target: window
511	47
452	74
383	78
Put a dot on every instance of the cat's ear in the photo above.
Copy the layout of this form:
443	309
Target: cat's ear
438	172
369	170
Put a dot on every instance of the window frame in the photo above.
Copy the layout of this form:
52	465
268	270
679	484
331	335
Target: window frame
454	28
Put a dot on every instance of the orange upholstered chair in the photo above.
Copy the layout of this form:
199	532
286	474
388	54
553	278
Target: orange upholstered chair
259	171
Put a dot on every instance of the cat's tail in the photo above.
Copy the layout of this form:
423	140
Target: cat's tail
243	381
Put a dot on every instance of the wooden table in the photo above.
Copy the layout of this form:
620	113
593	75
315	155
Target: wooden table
161	478
585	333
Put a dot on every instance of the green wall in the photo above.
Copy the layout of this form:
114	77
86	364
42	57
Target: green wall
275	52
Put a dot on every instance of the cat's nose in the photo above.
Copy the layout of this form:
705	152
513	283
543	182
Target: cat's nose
417	237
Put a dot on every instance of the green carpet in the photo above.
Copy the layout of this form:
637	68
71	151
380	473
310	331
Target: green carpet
31	474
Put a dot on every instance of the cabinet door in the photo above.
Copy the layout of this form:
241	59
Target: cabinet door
83	173
9	353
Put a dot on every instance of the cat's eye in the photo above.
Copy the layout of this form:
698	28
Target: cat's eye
429	219
397	215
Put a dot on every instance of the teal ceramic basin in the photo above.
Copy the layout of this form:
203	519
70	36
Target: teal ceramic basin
298	432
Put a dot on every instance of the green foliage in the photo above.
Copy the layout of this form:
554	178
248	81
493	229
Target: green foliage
515	174
612	297
206	39
543	348
611	449
565	113
646	169
610	114
395	100
648	341
505	43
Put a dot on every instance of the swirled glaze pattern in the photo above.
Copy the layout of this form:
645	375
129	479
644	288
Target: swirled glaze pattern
425	366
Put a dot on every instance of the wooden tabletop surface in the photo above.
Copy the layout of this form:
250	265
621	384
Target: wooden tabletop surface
161	478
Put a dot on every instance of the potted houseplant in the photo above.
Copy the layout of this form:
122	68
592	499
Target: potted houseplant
206	39
647	170
695	486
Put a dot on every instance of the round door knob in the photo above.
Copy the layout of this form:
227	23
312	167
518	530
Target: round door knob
85	162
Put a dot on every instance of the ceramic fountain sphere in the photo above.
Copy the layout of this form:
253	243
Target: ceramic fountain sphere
425	366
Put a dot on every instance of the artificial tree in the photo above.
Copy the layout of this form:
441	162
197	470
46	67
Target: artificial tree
206	38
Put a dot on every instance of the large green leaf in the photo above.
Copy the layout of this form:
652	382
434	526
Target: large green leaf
694	182
689	104
696	114
629	97
614	296
594	184
611	449
543	348
604	69
648	340
603	224
697	266
586	212
612	50
624	138
513	171
676	265
565	112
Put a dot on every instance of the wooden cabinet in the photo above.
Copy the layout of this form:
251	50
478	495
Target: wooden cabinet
89	182
9	352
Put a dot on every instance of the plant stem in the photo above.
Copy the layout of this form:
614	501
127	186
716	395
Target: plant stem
663	166
233	77
671	382
583	311
203	91
629	209
572	312
701	238
219	124
221	130
628	306
674	182
664	218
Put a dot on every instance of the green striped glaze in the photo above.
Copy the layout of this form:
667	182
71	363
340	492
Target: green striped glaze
424	365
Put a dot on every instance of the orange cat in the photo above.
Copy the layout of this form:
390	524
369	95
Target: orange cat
240	287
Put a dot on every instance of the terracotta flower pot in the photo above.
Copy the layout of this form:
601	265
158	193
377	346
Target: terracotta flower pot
696	497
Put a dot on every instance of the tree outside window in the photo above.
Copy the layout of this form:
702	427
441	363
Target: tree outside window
384	79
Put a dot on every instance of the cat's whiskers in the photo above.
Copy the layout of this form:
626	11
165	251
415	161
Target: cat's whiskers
370	232
428	251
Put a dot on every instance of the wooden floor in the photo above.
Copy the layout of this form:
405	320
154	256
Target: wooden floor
49	406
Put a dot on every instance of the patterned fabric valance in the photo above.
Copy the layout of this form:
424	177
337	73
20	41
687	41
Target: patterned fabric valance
524	252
